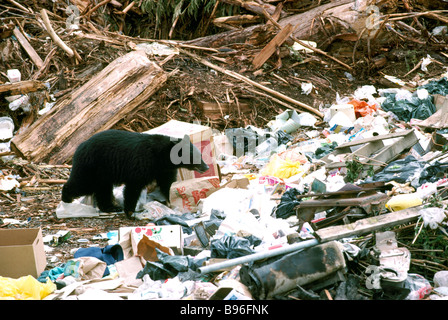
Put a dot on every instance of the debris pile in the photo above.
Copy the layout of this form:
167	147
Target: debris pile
323	126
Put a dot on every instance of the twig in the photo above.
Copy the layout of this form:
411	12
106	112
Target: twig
20	6
418	233
55	37
255	84
28	48
413	69
96	7
44	67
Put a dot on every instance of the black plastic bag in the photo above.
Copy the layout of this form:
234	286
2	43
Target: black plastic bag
288	202
229	247
413	108
283	137
172	219
434	172
325	149
401	171
168	266
437	87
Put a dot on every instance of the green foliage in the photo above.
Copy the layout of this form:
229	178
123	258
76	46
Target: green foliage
355	168
187	13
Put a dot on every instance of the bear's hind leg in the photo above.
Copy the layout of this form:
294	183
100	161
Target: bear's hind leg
105	198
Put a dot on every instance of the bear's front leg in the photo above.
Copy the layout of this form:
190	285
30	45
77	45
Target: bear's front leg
131	195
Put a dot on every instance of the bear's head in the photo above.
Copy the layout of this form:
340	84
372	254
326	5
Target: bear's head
185	154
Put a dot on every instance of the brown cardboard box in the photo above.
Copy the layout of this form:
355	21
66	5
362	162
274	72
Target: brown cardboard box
200	136
21	253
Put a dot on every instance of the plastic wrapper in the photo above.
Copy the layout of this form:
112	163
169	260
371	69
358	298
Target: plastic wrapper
419	287
24	288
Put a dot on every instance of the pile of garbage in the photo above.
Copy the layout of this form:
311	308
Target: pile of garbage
301	209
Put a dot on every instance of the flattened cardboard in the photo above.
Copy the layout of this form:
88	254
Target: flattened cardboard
22	252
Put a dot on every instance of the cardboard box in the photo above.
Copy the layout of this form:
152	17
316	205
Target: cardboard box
200	136
170	236
22	253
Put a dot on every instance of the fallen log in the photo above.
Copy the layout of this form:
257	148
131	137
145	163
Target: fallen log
339	10
254	6
100	103
253	35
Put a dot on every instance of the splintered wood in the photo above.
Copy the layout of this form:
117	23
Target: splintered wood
367	225
117	90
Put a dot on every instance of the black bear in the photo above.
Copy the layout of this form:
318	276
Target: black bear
116	157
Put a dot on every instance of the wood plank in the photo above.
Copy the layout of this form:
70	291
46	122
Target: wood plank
272	46
382	137
214	110
368	225
374	149
114	92
28	48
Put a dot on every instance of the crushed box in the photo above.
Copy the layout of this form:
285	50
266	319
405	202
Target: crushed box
170	236
200	136
22	252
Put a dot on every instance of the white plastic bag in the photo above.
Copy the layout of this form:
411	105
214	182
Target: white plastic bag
432	216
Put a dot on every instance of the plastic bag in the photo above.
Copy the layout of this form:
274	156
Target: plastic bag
403	201
282	168
325	149
24	288
229	247
288	202
409	108
437	87
432	216
401	171
362	108
419	286
168	266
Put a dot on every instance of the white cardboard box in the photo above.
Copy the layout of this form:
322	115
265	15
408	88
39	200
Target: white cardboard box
200	136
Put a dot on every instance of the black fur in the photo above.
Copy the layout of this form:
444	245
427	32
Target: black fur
116	157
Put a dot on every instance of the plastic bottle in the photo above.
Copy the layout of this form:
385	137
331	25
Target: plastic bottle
267	147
